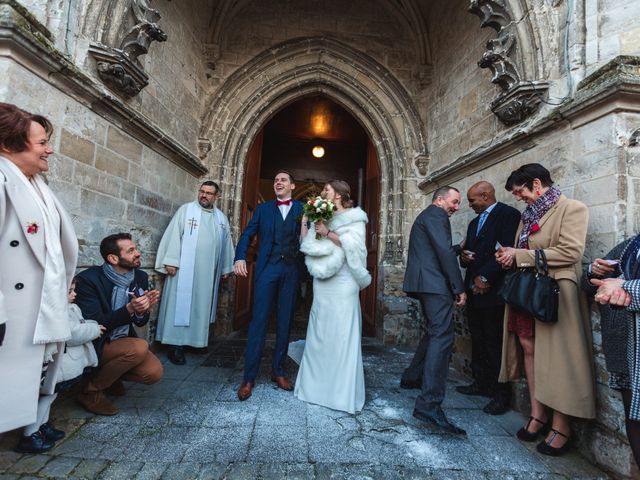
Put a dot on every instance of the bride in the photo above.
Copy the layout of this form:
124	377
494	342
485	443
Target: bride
331	372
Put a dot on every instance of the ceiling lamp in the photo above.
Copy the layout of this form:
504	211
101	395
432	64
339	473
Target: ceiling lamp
318	151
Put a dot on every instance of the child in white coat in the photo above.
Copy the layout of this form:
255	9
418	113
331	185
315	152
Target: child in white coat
79	354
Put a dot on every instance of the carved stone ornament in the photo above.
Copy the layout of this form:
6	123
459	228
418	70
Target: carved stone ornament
204	147
519	98
119	68
422	164
519	102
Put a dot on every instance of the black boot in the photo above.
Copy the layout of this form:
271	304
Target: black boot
176	355
50	432
34	443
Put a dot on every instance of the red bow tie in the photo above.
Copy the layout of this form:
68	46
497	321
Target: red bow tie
283	202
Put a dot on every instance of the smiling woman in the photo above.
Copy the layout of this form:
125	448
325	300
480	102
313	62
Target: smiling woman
38	251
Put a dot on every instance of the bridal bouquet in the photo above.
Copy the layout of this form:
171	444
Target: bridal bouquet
318	208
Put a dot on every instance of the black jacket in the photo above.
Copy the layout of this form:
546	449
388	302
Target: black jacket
93	290
500	226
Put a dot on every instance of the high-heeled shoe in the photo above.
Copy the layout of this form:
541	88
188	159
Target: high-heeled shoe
527	436
545	447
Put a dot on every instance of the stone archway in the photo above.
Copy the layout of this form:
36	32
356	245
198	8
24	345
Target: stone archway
302	67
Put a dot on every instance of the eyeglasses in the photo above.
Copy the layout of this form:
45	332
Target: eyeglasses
518	190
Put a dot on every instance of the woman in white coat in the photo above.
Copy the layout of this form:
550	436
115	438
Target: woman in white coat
38	252
331	372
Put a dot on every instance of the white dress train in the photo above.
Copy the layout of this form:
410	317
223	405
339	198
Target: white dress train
331	372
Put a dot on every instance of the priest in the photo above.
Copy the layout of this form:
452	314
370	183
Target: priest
195	253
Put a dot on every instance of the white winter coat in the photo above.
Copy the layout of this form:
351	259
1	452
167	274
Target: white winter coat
79	352
324	258
22	260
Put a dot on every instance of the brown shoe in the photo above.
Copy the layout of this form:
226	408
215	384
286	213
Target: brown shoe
116	389
282	382
245	389
96	402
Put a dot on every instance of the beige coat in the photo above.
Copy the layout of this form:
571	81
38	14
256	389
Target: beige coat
22	260
563	357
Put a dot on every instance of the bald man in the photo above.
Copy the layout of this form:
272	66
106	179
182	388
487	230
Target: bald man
496	222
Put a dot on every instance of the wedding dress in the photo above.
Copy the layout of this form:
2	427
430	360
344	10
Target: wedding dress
331	372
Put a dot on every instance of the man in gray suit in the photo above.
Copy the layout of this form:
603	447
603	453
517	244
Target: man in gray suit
433	277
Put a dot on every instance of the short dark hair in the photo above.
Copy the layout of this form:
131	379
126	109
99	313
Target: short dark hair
14	127
288	173
211	183
109	245
443	192
526	174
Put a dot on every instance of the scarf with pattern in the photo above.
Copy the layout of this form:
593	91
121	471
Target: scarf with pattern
534	212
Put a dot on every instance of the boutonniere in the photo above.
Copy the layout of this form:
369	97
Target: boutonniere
32	228
534	228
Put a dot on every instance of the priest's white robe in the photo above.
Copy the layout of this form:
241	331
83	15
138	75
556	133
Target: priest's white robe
213	258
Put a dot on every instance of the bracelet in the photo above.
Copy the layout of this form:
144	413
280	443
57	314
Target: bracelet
328	232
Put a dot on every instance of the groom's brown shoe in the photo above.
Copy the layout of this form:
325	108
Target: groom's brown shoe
245	389
282	382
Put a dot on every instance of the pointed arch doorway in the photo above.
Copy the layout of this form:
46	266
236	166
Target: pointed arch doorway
286	143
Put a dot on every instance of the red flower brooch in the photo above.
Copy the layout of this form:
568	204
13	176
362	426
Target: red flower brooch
534	228
32	228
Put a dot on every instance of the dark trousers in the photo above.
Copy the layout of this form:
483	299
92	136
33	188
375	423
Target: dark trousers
486	328
275	287
431	361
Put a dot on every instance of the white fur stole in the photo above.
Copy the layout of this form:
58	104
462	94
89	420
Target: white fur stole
324	258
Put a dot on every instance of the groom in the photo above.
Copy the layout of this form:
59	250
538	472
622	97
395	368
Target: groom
277	278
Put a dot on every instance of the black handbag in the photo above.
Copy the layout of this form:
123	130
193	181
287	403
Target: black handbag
533	290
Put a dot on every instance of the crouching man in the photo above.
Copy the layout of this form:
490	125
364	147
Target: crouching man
116	295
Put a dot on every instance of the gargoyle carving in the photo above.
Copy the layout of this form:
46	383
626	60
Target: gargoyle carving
519	98
119	66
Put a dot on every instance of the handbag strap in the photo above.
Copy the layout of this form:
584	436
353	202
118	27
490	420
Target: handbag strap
541	262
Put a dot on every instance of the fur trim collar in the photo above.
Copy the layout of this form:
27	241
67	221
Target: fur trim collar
324	258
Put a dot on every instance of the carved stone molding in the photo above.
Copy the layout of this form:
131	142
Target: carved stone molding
117	71
519	98
519	102
634	138
119	67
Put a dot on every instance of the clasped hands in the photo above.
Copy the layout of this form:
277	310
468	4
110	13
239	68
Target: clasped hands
505	256
142	304
610	291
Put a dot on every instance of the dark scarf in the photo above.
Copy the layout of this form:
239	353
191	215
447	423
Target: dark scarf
119	294
534	212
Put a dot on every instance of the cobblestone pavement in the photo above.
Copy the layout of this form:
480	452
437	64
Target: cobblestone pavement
192	426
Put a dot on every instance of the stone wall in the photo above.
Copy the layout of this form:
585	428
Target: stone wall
173	99
261	24
457	105
108	181
612	29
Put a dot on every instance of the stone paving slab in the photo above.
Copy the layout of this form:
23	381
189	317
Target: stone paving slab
192	426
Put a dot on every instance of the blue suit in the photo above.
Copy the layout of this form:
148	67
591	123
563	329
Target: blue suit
277	278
